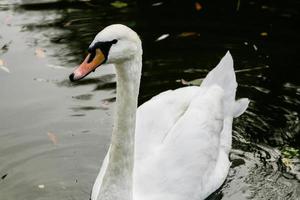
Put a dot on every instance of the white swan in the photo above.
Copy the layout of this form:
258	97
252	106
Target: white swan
176	145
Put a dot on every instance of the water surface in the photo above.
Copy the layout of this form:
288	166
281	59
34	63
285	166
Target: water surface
54	134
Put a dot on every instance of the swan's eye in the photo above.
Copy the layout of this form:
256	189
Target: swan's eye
114	41
92	55
103	46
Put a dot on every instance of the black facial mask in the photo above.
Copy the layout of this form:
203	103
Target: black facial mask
103	46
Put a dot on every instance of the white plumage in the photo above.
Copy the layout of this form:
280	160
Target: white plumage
183	138
176	145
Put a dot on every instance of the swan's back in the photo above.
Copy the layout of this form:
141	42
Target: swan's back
183	138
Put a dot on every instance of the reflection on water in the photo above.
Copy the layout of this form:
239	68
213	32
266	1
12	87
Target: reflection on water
37	98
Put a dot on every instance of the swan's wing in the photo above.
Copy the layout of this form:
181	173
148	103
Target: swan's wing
185	163
150	135
156	117
182	150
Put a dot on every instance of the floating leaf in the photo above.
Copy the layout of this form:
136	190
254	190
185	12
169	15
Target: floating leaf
40	53
264	34
4	176
71	22
198	6
110	100
68	23
255	47
184	82
157	4
119	4
196	82
52	137
104	104
162	37
4	48
8	20
290	152
287	162
188	34
41	186
4	68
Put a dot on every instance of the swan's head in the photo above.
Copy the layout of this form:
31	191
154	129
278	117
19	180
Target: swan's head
114	44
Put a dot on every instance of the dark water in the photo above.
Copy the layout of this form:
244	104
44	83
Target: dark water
54	134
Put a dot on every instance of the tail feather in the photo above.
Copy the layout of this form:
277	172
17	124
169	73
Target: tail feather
223	75
240	106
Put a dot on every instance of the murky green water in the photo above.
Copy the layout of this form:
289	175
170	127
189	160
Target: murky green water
54	134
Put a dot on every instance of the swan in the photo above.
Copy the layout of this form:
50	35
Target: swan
173	147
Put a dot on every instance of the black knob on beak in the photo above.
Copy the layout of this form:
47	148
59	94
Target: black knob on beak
71	77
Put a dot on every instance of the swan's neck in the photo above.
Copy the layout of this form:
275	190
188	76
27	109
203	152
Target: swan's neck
118	179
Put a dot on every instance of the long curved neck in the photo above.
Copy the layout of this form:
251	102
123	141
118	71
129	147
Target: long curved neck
118	179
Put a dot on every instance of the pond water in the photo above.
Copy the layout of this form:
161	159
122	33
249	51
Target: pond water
54	134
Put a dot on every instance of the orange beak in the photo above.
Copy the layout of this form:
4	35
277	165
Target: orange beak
87	67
